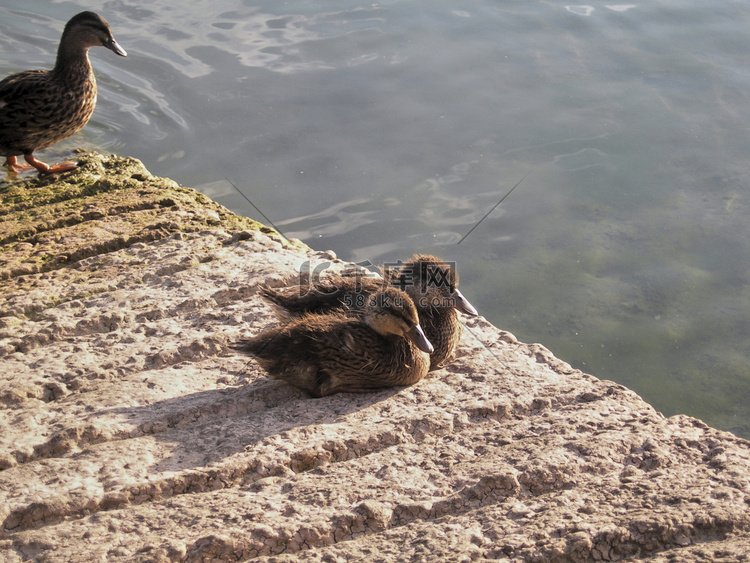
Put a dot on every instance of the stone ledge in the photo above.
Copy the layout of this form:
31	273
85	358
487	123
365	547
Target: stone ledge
131	431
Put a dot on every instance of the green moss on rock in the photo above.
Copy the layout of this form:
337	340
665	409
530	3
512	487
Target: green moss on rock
107	204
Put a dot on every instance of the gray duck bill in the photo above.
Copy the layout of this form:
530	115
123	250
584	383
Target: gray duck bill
462	304
114	46
416	335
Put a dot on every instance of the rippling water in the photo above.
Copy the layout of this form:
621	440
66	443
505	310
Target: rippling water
384	128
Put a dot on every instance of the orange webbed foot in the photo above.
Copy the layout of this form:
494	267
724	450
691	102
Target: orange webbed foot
12	164
45	168
61	167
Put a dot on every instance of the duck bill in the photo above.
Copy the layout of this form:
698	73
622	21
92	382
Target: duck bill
462	304
114	46
419	339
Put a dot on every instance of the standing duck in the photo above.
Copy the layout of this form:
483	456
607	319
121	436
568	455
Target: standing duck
39	108
332	353
431	283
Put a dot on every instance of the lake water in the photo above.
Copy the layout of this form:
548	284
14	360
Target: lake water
381	129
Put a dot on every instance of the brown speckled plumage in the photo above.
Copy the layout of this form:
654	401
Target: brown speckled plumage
39	108
332	353
431	283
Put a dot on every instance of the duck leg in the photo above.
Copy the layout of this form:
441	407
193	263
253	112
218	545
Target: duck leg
45	168
12	164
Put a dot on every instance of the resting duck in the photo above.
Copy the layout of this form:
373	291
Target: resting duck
431	283
332	353
39	108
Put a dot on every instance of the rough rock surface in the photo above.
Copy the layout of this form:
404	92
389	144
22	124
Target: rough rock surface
132	432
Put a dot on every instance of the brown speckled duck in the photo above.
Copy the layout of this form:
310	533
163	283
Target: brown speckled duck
431	283
39	108
332	353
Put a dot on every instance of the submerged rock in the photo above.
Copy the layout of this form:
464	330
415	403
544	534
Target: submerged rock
132	432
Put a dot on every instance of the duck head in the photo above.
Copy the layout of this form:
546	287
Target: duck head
432	282
85	30
392	311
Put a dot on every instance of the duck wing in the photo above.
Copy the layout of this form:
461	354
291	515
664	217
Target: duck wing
29	103
28	87
334	293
